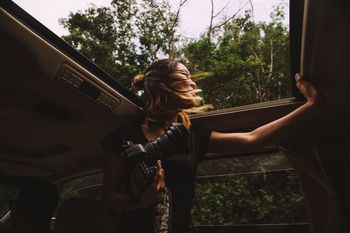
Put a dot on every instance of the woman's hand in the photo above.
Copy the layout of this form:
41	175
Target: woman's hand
159	180
149	196
307	89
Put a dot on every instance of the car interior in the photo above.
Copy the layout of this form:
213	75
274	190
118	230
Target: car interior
56	106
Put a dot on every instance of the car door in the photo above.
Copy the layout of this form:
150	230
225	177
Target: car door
318	203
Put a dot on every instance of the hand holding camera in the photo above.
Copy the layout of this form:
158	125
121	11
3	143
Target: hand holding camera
141	158
148	197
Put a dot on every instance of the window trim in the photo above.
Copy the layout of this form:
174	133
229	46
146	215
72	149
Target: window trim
296	13
244	118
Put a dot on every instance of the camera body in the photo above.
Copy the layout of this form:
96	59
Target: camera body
141	158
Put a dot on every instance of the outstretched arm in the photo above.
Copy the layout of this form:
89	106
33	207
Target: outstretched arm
288	128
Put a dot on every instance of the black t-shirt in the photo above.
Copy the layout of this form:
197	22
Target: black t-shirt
179	175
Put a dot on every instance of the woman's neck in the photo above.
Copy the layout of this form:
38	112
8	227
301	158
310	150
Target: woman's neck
170	119
152	131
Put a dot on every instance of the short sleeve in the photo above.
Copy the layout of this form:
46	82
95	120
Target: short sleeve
200	139
112	142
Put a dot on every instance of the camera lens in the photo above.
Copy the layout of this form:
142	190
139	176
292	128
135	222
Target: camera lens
174	141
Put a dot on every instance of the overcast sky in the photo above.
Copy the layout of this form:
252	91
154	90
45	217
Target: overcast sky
195	15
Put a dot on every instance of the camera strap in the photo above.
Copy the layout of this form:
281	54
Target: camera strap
162	212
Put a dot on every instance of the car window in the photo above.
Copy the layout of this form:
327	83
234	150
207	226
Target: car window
246	190
89	186
238	52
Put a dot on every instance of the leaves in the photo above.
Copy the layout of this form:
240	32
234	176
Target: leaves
126	37
249	61
248	199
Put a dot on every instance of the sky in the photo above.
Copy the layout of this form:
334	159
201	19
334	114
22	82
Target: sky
195	14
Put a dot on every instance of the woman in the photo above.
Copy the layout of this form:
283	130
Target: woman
169	92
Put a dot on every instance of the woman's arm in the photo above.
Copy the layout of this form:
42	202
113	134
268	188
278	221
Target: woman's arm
291	127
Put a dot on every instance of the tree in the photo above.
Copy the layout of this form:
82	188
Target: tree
105	36
157	25
126	37
248	63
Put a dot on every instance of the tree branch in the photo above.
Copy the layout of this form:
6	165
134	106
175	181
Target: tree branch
217	14
231	17
182	2
271	58
171	29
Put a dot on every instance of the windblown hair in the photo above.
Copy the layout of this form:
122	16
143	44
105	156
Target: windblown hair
156	85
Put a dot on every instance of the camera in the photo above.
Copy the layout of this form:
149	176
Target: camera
141	158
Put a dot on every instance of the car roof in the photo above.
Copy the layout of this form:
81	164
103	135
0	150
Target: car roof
56	105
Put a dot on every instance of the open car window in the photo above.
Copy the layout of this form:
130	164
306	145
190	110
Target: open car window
249	190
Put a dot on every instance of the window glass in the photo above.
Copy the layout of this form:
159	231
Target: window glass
89	187
84	187
257	189
237	51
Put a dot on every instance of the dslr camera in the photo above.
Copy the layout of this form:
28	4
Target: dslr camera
141	158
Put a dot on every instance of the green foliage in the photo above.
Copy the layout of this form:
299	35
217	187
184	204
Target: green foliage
105	35
126	37
199	54
152	31
244	61
249	199
257	189
249	62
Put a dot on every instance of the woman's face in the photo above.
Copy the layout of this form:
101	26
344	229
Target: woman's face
181	82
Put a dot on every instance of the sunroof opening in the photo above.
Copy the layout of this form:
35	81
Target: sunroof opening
238	52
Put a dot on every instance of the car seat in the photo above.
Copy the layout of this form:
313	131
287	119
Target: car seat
79	215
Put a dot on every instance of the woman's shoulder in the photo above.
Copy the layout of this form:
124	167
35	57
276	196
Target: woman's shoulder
124	132
199	140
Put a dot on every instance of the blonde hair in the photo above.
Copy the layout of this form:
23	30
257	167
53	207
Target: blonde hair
153	82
